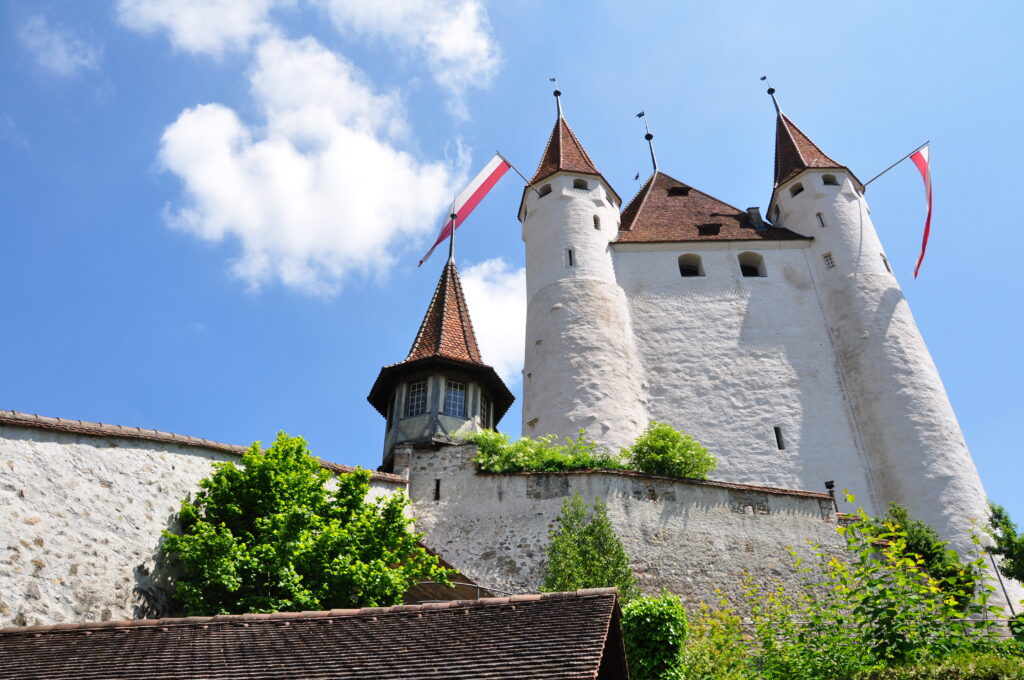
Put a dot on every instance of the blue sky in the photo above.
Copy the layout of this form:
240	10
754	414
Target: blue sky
212	211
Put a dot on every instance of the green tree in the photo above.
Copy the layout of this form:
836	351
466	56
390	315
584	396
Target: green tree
654	631
664	450
272	536
585	552
1009	542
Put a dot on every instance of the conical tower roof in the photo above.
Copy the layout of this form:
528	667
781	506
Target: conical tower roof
564	152
445	339
447	331
795	152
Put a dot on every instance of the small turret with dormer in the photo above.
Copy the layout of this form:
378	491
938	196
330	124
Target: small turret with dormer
442	387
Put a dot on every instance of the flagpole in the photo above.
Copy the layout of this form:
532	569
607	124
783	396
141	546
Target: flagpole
895	164
528	183
451	237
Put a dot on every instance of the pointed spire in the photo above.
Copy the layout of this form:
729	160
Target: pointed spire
794	151
564	151
446	331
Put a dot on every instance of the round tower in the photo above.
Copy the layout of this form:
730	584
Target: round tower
581	369
912	440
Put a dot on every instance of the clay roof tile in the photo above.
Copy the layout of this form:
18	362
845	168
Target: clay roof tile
447	331
795	152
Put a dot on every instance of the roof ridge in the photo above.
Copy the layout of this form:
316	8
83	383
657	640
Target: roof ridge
86	427
307	615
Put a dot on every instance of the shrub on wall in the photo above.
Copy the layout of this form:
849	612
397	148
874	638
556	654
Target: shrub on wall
664	450
585	552
1009	542
270	536
654	632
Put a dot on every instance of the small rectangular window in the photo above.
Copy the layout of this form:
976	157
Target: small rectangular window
417	398
829	262
821	220
779	441
570	258
455	399
485	412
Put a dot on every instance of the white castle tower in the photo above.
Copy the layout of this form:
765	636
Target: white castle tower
581	366
787	348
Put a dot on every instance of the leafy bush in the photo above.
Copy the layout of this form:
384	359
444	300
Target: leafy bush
497	453
585	552
1016	625
270	536
716	648
1009	542
654	631
663	450
959	667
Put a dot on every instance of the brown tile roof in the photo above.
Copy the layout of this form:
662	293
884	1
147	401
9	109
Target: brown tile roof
795	152
557	636
695	482
667	210
447	330
103	430
445	335
563	152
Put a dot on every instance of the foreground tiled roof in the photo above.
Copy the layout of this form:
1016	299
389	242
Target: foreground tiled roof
667	210
556	636
447	330
795	152
104	430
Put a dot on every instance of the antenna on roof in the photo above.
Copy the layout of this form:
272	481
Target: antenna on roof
650	140
771	93
558	96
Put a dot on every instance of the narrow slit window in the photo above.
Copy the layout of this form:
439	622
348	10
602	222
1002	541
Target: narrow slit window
437	489
821	220
545	190
570	258
829	262
885	261
796	189
580	184
775	215
597	223
829	180
417	401
485	412
455	399
779	441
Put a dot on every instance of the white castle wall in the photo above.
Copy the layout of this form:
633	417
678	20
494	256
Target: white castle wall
581	366
691	538
80	523
728	358
918	456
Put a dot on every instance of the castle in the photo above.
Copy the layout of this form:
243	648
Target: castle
784	344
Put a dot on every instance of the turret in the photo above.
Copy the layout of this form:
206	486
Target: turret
914	447
581	366
442	387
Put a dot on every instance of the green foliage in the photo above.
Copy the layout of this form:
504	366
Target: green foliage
1009	542
496	453
716	648
1016	625
654	630
938	561
585	552
663	450
959	667
660	450
270	536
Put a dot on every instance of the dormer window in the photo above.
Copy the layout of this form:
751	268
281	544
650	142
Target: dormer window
829	180
796	189
679	191
709	229
417	400
544	190
580	184
455	399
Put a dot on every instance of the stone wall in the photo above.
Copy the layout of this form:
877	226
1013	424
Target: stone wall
690	537
81	516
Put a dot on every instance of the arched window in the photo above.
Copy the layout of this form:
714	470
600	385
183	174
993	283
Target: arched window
597	223
545	190
830	180
752	264
796	189
690	265
579	184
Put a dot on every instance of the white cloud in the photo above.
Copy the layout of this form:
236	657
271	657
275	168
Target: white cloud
496	297
209	27
321	190
453	37
57	49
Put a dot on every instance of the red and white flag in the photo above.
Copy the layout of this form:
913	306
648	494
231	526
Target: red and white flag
471	197
920	158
